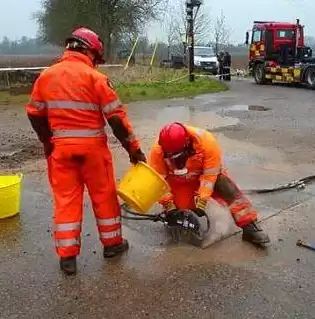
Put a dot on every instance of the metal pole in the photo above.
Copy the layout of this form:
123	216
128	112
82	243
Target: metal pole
190	21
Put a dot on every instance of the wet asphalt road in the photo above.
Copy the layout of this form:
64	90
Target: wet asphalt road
157	279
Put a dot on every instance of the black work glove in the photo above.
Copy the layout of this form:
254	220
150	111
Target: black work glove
48	148
137	156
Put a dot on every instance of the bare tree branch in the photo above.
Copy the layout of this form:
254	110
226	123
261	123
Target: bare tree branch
178	23
221	32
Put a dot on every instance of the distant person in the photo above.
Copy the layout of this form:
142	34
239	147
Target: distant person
227	66
190	160
221	65
69	104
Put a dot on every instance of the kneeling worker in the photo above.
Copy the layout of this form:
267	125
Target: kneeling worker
190	160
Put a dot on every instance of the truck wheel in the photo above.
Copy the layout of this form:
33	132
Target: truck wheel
259	74
310	78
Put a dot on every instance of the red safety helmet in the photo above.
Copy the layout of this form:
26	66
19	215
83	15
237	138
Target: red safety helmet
90	41
174	138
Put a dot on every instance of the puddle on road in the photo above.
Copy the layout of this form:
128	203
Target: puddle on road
193	115
204	115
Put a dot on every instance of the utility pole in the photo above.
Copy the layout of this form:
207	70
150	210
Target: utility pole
190	5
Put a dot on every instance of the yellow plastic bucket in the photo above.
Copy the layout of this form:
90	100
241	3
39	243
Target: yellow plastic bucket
10	195
142	187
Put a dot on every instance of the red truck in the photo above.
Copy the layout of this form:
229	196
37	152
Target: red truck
277	53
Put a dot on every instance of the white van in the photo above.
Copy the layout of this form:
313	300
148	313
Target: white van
206	60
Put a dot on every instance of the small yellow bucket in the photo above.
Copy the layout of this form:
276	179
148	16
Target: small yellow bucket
10	195
142	187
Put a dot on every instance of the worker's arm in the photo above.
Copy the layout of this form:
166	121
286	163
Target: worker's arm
116	115
157	162
211	169
37	113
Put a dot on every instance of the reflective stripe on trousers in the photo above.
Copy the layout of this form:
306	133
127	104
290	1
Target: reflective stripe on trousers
110	234
67	242
108	221
240	208
61	231
79	133
68	226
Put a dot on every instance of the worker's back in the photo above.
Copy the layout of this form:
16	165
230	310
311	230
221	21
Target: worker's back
69	92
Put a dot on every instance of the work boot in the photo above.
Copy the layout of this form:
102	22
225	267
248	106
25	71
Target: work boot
68	265
255	235
113	251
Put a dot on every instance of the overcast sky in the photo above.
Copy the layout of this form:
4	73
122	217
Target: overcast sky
16	15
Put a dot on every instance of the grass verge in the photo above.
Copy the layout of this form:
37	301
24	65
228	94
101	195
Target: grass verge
163	90
138	84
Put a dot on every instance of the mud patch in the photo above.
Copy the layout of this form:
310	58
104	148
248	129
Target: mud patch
258	108
15	155
244	107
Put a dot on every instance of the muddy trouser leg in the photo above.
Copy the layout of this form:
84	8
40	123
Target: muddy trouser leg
242	210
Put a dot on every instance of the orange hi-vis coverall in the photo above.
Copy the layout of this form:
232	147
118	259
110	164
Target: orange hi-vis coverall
77	99
205	178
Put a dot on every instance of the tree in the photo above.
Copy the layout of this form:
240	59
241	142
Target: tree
109	18
176	26
221	32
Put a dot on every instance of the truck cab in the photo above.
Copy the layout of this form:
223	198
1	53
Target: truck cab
281	42
206	60
277	53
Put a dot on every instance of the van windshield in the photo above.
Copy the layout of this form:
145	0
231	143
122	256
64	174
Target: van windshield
204	52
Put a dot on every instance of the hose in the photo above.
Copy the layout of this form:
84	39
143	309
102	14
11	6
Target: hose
155	217
299	184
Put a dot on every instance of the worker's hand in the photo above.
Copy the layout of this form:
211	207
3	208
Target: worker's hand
201	205
48	148
137	156
170	213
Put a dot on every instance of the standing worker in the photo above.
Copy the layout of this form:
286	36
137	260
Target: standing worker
190	160
227	66
69	104
221	65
